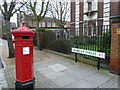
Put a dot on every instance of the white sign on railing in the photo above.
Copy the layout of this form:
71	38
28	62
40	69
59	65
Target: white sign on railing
89	52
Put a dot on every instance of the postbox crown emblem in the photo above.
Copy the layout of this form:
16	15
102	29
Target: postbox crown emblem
23	30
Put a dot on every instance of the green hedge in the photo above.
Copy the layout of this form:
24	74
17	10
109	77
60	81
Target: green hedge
62	45
35	39
48	41
48	37
105	43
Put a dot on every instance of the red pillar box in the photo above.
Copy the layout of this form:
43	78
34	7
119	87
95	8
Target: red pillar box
23	55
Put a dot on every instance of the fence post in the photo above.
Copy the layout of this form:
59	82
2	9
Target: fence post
98	63
76	53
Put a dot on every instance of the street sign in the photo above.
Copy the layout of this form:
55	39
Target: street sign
89	52
118	30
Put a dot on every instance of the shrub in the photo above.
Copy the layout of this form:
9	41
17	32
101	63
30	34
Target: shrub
49	42
105	43
84	40
48	37
91	40
35	40
62	45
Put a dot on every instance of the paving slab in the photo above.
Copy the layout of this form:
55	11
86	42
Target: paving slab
112	83
99	78
81	84
44	70
58	67
63	80
40	80
53	75
3	81
75	74
78	75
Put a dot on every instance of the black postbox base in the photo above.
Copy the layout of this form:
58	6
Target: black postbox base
25	85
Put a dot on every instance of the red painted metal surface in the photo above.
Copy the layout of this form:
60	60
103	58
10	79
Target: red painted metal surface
23	53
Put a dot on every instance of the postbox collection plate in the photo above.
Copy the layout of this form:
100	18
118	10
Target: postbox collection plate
26	50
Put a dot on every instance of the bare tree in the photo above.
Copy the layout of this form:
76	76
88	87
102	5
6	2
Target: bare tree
59	11
38	9
8	10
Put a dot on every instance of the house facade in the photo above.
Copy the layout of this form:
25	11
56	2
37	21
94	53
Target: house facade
87	14
46	22
30	21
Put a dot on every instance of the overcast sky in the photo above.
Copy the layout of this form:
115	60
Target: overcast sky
14	17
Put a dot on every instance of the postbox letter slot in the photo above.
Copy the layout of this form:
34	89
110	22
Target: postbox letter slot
25	37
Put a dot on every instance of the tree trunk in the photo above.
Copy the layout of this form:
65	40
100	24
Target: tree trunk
37	24
9	39
38	35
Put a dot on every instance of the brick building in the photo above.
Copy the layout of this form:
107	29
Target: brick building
47	22
30	21
86	13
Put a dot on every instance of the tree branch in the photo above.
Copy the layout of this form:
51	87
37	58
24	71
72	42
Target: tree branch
18	8
59	11
5	6
45	11
42	9
12	6
2	11
33	9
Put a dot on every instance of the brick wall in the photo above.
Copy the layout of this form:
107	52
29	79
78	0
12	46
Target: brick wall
72	26
114	8
100	12
115	49
81	17
115	39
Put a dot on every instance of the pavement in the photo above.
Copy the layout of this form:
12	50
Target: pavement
55	71
1	65
3	81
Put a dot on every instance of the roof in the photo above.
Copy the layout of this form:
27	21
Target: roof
22	31
48	19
